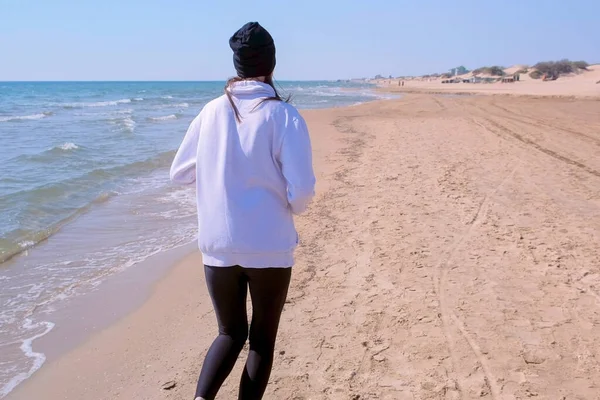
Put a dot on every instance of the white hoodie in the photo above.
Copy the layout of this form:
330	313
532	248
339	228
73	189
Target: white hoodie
250	177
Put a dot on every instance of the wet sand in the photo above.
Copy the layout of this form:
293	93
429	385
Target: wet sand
452	252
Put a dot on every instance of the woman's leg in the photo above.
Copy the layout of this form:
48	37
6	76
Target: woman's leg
228	290
268	290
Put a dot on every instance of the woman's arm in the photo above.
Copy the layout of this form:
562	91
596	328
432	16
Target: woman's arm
296	164
183	169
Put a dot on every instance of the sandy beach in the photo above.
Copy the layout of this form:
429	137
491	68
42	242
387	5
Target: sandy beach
452	252
581	86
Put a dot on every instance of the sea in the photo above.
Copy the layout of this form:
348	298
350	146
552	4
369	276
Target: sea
85	194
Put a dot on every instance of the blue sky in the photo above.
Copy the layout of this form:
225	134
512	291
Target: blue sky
315	39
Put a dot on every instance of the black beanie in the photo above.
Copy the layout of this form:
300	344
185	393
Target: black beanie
253	51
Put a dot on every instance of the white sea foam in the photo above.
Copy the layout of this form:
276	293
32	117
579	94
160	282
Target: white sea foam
67	146
165	118
27	349
27	244
166	97
122	101
126	111
326	94
25	117
97	103
129	124
138	99
182	197
182	105
125	123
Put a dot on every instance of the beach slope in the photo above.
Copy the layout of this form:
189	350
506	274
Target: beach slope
452	252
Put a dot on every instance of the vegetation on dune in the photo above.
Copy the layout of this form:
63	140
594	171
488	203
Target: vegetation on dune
535	74
493	71
554	69
550	69
581	65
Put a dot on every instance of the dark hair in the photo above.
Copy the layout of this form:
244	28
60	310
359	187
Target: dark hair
268	81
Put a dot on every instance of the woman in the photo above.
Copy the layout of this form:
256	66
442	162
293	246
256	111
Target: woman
249	154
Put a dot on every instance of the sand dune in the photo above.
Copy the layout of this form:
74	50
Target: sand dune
583	85
514	69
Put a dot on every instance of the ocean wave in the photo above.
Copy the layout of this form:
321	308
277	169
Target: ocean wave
125	122
138	167
26	244
67	146
167	105
27	349
138	99
18	241
125	111
129	124
49	155
165	118
166	97
184	198
26	117
11	248
326	94
96	104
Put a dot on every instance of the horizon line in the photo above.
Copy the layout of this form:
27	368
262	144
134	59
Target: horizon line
171	81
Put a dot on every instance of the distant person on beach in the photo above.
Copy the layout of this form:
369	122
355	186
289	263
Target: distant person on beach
249	153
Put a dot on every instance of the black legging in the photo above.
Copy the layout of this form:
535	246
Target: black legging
228	288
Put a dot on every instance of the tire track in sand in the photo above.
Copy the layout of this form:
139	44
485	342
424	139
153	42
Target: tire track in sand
447	314
501	128
536	122
440	104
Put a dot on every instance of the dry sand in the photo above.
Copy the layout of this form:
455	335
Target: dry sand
583	85
452	252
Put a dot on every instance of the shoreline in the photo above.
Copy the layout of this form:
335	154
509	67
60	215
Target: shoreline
79	265
35	238
87	314
68	334
430	212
